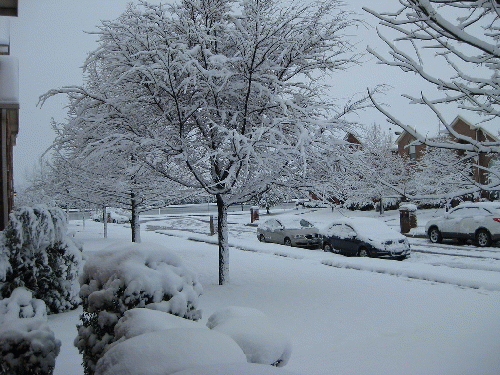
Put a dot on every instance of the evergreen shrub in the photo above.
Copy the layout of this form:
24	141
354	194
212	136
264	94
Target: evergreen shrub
118	279
37	253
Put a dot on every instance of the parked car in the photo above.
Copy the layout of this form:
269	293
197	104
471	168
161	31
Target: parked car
290	232
479	222
115	215
365	237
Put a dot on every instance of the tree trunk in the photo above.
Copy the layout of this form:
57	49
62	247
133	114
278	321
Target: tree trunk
223	241
105	221
134	221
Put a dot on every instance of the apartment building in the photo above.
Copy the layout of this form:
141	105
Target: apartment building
9	109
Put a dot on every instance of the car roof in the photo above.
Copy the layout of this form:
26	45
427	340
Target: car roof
369	228
361	223
490	205
290	222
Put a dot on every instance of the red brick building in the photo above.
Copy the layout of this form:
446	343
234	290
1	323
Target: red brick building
415	151
9	111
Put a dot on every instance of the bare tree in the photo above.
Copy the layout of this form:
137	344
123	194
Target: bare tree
442	173
382	172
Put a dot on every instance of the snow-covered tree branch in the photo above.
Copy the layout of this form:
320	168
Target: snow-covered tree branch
454	46
213	95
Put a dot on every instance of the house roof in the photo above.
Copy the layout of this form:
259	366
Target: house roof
400	137
487	129
483	128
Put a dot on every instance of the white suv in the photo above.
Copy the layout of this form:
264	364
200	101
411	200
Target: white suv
479	222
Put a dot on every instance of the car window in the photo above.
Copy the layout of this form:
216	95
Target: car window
350	229
334	230
276	225
305	224
484	212
339	230
464	212
271	224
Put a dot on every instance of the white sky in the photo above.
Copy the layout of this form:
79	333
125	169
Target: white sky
49	40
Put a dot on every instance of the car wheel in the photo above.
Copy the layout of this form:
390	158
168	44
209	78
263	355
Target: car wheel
287	242
327	247
262	238
483	238
435	235
363	252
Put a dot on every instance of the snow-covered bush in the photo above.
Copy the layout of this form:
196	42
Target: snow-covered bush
37	253
254	333
138	321
27	345
359	205
118	279
169	351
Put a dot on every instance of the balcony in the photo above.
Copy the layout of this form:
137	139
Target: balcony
9	92
9	82
8	8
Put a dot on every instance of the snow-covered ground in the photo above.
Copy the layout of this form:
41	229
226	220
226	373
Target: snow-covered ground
437	312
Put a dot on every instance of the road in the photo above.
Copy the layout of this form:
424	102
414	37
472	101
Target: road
463	266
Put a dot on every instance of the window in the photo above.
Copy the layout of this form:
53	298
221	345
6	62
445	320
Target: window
305	223
340	231
465	212
412	151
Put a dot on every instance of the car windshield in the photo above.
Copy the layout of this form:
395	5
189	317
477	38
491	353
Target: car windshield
295	223
270	225
482	209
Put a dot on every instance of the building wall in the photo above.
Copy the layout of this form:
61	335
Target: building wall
463	128
7	140
407	151
483	160
9	114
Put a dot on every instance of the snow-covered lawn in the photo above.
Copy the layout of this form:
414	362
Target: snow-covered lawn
437	312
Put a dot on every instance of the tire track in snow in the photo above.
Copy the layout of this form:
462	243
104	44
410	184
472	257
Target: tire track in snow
416	249
415	274
361	264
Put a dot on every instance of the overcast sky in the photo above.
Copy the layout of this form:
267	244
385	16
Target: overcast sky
48	38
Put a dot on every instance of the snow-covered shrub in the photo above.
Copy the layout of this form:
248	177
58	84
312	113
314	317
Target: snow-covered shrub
118	279
27	345
254	333
41	257
169	351
138	321
359	205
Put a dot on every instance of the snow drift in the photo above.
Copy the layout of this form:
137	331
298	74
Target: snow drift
254	333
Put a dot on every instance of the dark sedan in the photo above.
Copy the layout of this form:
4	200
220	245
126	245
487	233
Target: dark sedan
364	237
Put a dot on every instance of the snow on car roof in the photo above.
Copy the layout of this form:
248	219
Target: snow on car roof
290	222
373	229
490	205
